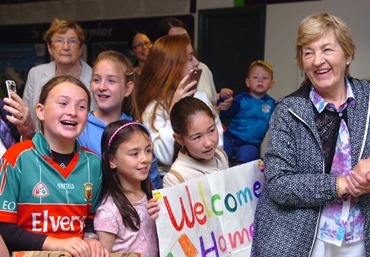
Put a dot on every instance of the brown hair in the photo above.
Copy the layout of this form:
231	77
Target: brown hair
316	25
61	26
162	73
111	184
182	114
55	81
167	23
124	66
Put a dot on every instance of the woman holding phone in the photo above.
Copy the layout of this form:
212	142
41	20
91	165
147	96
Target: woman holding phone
165	80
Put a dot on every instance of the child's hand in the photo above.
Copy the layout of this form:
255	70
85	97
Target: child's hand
225	105
153	208
226	93
97	248
76	246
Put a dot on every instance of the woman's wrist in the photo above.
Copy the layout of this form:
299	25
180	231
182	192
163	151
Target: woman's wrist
341	186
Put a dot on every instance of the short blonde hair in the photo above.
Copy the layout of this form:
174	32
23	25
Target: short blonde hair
316	25
61	26
262	64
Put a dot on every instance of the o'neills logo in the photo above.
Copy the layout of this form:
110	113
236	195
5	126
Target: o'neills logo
40	190
88	190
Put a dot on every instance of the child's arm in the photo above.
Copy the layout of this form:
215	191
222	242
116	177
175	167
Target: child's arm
226	93
97	247
3	250
107	239
225	99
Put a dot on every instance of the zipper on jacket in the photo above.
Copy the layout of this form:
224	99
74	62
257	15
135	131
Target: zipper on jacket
323	171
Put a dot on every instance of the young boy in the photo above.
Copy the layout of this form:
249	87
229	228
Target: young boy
250	113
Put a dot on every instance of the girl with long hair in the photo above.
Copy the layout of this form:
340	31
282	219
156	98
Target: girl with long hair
122	222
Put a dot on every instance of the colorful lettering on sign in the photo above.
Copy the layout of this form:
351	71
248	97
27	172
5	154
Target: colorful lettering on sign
199	211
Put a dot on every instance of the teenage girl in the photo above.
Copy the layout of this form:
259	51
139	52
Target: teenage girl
122	221
165	80
51	186
196	133
114	92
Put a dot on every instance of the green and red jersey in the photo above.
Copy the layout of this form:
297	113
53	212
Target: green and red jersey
42	197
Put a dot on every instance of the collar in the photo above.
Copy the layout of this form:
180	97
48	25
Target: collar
320	103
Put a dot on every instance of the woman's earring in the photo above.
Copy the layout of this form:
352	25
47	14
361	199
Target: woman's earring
348	63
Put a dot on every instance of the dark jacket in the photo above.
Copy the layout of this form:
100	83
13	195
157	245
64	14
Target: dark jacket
297	187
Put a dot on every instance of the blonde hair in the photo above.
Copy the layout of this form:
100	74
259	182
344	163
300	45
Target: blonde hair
124	66
316	25
262	64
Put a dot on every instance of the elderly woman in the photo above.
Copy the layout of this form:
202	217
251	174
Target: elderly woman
64	40
315	201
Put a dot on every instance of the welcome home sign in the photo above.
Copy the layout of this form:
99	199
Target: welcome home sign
211	216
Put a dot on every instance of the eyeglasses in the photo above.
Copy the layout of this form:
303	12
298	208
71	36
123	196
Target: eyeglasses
70	42
142	45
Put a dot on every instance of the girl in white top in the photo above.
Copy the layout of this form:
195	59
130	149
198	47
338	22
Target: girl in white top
196	133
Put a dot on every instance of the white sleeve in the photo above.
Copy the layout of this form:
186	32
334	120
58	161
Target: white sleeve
206	83
162	134
202	96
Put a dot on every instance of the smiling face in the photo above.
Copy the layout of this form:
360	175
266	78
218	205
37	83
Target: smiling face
202	138
109	87
325	63
63	115
259	81
132	160
141	45
68	52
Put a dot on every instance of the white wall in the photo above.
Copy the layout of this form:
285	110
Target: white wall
281	36
281	26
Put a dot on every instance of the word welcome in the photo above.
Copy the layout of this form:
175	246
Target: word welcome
200	211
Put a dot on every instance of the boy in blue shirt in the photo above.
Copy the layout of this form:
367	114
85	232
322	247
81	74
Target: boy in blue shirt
250	113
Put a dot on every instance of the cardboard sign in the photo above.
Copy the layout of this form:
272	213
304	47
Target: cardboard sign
64	254
211	215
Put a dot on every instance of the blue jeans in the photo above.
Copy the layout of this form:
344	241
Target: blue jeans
243	152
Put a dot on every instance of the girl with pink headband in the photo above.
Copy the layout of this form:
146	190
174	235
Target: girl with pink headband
122	221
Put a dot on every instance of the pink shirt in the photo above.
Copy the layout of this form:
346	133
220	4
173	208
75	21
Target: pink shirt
144	241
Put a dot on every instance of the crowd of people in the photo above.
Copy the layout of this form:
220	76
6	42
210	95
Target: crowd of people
84	148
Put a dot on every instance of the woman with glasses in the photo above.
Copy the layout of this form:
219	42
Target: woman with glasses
139	44
64	40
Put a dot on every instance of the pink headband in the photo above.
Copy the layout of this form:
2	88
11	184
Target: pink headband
119	129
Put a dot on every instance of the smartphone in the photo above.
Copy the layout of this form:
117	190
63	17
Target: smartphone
194	76
10	87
